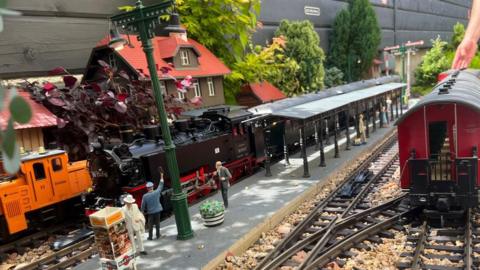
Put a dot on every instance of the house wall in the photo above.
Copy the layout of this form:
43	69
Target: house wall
208	101
30	139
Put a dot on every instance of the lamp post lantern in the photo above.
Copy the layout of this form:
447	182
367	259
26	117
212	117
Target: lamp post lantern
143	20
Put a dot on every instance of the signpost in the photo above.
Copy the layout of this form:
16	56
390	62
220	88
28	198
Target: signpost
404	50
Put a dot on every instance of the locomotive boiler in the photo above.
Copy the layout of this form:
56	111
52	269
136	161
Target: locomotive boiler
438	141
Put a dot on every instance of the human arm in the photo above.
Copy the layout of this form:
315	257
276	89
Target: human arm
468	47
160	184
143	206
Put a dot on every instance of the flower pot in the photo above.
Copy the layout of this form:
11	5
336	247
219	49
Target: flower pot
214	220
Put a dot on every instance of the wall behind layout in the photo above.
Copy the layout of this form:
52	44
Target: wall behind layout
55	33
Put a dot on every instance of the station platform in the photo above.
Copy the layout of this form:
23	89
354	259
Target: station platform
251	201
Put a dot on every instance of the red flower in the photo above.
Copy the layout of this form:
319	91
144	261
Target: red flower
48	86
122	96
180	86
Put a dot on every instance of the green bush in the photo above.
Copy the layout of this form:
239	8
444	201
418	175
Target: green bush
433	63
211	208
303	46
458	34
333	77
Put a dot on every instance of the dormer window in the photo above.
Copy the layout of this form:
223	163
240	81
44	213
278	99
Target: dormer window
184	57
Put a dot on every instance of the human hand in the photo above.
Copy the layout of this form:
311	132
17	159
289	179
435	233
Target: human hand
223	178
464	54
214	173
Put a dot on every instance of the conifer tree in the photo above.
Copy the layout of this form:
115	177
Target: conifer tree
339	40
355	39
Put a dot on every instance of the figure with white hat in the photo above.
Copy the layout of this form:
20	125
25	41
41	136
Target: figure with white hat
135	222
152	207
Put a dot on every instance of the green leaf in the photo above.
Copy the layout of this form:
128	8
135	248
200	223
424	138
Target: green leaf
8	143
20	110
11	164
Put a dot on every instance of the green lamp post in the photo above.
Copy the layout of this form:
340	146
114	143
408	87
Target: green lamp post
143	20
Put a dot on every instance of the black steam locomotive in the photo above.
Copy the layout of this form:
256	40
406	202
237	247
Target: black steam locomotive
217	134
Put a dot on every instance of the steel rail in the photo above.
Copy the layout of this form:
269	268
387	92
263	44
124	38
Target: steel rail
335	250
291	239
334	226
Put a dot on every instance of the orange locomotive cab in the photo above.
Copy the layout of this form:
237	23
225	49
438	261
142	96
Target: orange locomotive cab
43	180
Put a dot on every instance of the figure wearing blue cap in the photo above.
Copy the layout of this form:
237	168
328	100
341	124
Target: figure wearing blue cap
151	206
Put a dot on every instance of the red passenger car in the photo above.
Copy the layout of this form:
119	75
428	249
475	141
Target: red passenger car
438	141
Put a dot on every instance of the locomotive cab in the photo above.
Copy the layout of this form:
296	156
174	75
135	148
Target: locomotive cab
44	181
438	142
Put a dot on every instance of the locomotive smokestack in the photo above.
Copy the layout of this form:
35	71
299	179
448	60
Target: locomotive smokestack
126	133
151	132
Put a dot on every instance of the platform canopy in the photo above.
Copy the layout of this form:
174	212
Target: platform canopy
314	108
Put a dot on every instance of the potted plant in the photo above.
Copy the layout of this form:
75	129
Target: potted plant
212	213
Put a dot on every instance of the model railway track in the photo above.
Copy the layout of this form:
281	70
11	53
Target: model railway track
64	258
311	236
35	239
442	248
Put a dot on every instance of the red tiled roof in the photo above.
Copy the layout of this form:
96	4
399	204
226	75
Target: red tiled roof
266	92
165	47
41	117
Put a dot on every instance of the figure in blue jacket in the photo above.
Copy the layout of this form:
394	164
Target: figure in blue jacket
151	206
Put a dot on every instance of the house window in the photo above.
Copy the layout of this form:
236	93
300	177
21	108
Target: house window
112	60
196	88
211	87
184	57
163	88
39	171
181	95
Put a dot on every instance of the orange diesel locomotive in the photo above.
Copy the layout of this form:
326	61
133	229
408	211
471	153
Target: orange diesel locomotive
45	184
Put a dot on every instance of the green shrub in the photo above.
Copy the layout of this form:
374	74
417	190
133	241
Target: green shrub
433	63
211	208
333	77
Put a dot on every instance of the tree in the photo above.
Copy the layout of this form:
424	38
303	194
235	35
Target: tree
270	64
223	26
303	45
339	41
354	55
433	62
